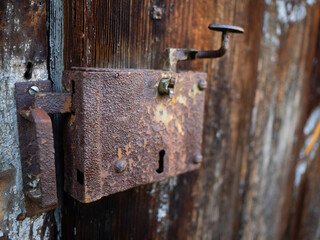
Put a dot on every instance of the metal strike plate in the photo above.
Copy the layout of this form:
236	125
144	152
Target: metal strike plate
122	133
36	149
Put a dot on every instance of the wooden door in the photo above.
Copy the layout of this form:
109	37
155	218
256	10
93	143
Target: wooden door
260	173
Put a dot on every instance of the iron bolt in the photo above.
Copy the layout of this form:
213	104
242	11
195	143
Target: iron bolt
33	90
197	159
202	84
120	166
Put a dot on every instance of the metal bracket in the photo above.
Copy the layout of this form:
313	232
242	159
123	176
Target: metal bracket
36	142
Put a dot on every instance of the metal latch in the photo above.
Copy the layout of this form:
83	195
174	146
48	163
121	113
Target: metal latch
35	102
122	128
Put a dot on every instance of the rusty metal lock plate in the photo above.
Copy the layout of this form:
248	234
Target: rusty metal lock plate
122	133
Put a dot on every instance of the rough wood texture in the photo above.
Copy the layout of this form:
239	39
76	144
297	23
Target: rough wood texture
305	221
256	109
23	57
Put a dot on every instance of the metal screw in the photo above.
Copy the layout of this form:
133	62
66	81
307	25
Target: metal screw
197	159
202	85
33	90
120	166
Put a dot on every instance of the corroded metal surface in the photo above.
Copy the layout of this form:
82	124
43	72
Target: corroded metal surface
123	133
53	102
36	150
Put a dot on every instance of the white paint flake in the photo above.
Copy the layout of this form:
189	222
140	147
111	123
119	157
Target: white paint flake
311	2
300	170
312	121
288	12
268	2
278	30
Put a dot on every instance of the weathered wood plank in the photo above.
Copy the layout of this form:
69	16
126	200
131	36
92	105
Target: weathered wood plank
304	218
23	57
287	48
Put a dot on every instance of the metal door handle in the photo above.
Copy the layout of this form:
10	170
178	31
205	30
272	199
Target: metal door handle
225	29
173	55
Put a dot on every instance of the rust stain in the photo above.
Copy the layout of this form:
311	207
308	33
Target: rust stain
36	150
314	138
161	115
53	102
119	154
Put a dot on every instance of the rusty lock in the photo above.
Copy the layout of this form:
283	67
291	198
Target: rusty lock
113	140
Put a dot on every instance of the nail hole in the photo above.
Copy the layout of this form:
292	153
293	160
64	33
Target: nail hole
161	156
80	177
28	73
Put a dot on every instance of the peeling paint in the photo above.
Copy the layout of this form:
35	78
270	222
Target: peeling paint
161	115
253	120
9	154
265	22
312	121
268	2
164	201
278	30
288	12
14	58
300	170
311	2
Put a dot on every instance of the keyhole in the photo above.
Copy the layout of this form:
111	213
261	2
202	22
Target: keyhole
73	88
161	156
80	177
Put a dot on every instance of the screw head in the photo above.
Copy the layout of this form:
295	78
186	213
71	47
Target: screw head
197	159
202	84
33	90
120	166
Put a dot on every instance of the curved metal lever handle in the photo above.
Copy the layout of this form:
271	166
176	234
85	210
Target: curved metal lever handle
225	29
173	55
